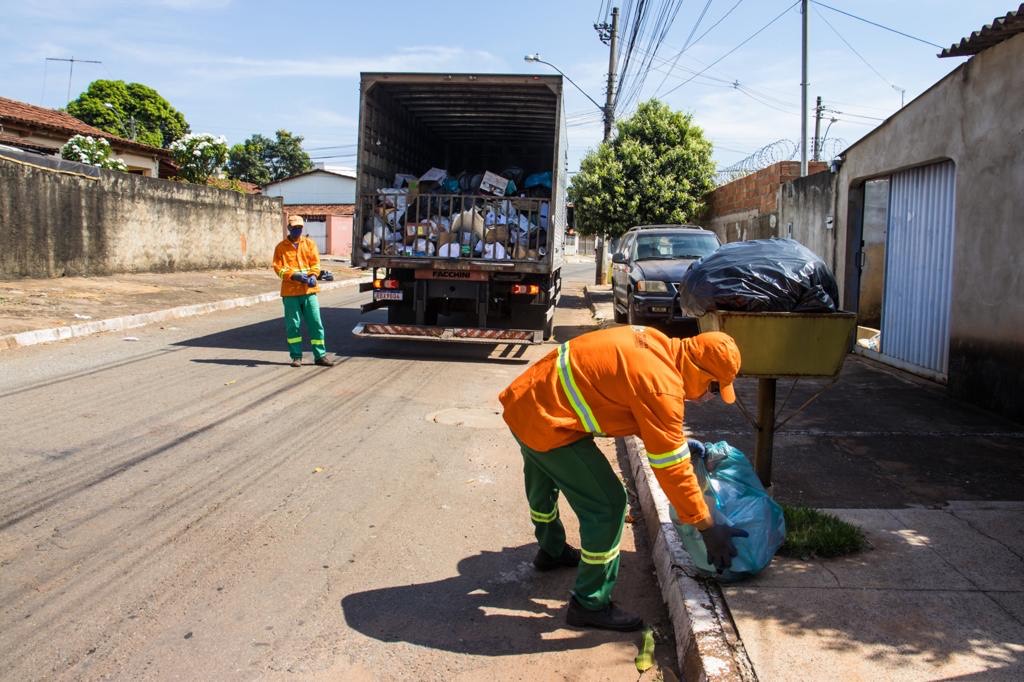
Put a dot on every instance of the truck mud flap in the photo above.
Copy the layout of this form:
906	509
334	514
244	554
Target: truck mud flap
455	334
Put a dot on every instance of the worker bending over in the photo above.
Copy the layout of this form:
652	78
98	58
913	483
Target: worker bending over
617	382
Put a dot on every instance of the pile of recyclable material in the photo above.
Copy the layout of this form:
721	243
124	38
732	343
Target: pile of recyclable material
464	216
762	275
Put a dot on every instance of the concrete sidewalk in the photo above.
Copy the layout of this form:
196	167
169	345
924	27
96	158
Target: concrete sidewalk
937	488
52	309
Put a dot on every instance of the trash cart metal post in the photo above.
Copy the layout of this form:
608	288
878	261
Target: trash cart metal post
782	345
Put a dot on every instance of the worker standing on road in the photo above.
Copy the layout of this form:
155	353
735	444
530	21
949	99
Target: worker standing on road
297	263
621	381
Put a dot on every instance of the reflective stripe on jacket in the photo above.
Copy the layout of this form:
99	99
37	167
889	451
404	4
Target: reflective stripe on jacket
301	257
619	381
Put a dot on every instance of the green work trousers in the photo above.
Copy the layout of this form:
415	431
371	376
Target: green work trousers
582	473
297	309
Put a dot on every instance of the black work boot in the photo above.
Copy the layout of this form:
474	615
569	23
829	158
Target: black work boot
296	362
569	558
610	617
324	362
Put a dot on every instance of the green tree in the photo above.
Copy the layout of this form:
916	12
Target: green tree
135	111
247	160
656	170
261	160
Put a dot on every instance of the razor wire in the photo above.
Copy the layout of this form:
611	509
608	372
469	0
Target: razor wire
780	150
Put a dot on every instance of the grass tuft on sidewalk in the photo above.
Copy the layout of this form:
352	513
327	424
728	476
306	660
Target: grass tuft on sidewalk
814	534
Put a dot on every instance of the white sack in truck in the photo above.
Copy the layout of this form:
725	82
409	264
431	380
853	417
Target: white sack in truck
469	221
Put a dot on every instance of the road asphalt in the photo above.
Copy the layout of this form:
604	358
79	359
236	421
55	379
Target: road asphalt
179	503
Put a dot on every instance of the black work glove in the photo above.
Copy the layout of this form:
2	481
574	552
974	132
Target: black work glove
718	540
696	448
298	277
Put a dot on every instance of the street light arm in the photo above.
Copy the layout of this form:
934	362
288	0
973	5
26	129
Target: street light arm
536	58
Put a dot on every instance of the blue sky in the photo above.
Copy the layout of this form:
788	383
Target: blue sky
237	68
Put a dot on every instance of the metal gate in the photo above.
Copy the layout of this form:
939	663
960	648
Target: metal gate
317	231
919	267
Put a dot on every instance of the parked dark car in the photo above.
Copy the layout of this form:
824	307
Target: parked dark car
647	267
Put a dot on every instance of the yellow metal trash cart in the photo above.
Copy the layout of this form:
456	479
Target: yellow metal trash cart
782	345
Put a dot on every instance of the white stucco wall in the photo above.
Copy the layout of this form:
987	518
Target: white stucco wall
314	188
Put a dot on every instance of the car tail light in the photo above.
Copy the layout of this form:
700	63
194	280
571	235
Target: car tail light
531	289
385	284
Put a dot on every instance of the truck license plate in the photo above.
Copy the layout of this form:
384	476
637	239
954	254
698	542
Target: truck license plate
387	295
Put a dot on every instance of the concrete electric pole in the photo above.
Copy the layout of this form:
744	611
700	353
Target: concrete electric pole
609	33
803	92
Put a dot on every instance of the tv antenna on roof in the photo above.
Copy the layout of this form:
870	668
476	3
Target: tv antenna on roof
71	68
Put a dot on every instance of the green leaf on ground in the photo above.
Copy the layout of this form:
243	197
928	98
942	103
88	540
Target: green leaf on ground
645	659
812	533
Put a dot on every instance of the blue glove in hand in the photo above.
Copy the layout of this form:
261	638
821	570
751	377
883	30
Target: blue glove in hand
696	448
298	277
718	540
311	280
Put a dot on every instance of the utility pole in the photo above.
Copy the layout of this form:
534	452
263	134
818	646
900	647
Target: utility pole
817	128
71	69
803	92
609	34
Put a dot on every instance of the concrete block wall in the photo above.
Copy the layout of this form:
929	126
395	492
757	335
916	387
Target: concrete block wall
744	208
55	224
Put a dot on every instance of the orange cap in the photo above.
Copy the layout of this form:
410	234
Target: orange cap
717	354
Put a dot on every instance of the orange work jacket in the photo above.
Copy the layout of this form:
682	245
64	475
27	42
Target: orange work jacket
301	257
619	381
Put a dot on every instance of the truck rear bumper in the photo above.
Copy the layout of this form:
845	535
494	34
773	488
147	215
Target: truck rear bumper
456	334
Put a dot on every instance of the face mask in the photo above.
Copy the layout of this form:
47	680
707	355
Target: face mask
295	233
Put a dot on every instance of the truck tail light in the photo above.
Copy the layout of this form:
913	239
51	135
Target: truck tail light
531	289
385	284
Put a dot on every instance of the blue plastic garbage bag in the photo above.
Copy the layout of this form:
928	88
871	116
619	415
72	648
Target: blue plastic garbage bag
734	495
538	180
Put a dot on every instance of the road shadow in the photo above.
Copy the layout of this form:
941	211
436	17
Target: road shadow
497	605
269	336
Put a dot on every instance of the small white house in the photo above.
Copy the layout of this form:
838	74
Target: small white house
325	197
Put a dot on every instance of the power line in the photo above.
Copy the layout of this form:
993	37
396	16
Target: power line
712	27
852	48
868	21
745	41
686	43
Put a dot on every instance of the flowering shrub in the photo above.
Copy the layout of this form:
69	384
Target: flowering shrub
94	151
199	156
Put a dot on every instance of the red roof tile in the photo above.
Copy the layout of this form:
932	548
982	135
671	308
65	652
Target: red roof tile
320	209
29	115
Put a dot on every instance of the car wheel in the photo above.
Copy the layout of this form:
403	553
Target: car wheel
622	317
631	315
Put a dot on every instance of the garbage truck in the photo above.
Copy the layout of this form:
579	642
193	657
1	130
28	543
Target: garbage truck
460	205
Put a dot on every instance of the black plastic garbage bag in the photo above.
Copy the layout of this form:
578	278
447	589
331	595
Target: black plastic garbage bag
762	275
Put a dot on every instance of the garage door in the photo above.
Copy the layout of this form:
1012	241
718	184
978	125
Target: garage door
919	267
317	231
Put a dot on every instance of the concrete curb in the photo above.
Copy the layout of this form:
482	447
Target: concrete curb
116	324
601	310
708	645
